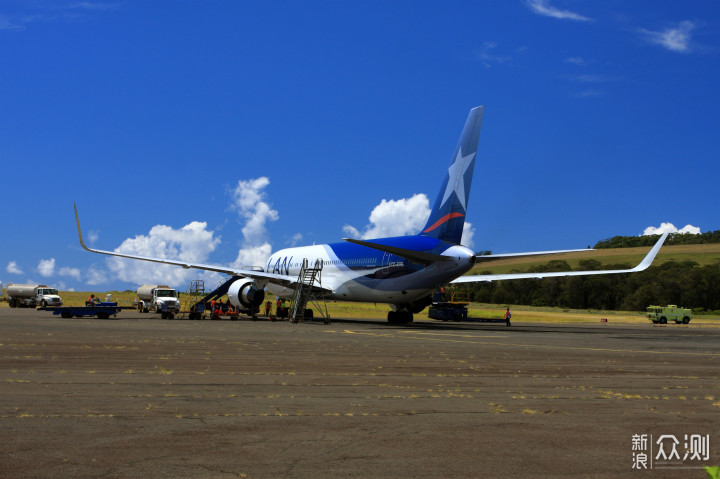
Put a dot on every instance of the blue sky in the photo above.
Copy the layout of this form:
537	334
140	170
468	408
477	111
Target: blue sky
219	131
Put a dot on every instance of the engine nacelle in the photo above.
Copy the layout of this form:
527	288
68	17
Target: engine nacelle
244	293
415	307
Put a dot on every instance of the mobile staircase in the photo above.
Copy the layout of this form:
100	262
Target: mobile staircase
196	301
191	306
306	292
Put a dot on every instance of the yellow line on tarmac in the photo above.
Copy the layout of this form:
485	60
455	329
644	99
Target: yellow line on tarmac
539	346
460	335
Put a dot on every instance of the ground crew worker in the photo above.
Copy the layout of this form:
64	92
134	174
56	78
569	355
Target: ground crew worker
268	307
278	307
90	301
507	317
212	307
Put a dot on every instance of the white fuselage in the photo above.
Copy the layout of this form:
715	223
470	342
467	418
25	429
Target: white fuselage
368	275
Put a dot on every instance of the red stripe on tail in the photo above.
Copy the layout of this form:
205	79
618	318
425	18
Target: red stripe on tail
442	220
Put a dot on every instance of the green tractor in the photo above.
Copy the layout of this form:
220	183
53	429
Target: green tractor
660	314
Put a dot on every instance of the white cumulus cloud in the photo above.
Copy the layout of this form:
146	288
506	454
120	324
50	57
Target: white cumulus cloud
394	218
96	276
253	256
72	272
93	236
192	243
467	235
676	39
13	268
46	267
669	227
401	217
543	7
249	202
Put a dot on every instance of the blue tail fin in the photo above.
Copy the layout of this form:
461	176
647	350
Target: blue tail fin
448	214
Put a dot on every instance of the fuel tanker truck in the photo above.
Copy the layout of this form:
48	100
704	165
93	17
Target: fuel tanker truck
159	298
32	295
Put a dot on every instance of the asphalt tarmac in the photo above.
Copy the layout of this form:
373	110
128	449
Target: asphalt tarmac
138	396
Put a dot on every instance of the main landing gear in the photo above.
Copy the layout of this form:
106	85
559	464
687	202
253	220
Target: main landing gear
399	317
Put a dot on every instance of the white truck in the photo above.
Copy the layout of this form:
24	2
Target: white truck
32	295
159	298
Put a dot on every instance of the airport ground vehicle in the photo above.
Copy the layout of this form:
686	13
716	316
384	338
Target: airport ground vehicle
159	298
101	310
663	314
456	309
453	310
32	295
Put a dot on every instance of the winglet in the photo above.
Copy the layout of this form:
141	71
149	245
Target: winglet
77	220
650	257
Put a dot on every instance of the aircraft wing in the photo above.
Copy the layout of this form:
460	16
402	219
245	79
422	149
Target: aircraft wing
281	279
490	257
644	264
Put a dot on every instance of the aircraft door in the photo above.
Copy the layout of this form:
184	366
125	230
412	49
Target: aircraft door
385	264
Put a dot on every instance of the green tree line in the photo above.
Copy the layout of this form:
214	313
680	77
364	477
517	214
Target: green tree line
649	240
682	283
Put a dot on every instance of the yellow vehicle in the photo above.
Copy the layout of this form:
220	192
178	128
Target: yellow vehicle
663	314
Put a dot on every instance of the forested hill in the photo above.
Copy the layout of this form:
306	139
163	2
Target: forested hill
649	240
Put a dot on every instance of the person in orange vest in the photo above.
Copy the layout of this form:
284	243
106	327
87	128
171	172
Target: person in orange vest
279	307
268	307
507	317
90	301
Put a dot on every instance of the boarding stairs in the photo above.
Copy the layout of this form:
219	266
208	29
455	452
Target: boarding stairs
305	292
189	305
196	298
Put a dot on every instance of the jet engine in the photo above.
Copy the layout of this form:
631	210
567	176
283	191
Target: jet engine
244	293
420	304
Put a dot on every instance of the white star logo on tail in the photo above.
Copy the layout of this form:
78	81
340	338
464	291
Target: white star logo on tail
456	182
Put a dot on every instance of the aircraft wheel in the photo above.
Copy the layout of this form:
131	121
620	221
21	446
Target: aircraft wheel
308	314
399	317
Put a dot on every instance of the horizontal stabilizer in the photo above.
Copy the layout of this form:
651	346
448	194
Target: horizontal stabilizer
414	256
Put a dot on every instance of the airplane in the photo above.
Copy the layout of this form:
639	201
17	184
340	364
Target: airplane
401	271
